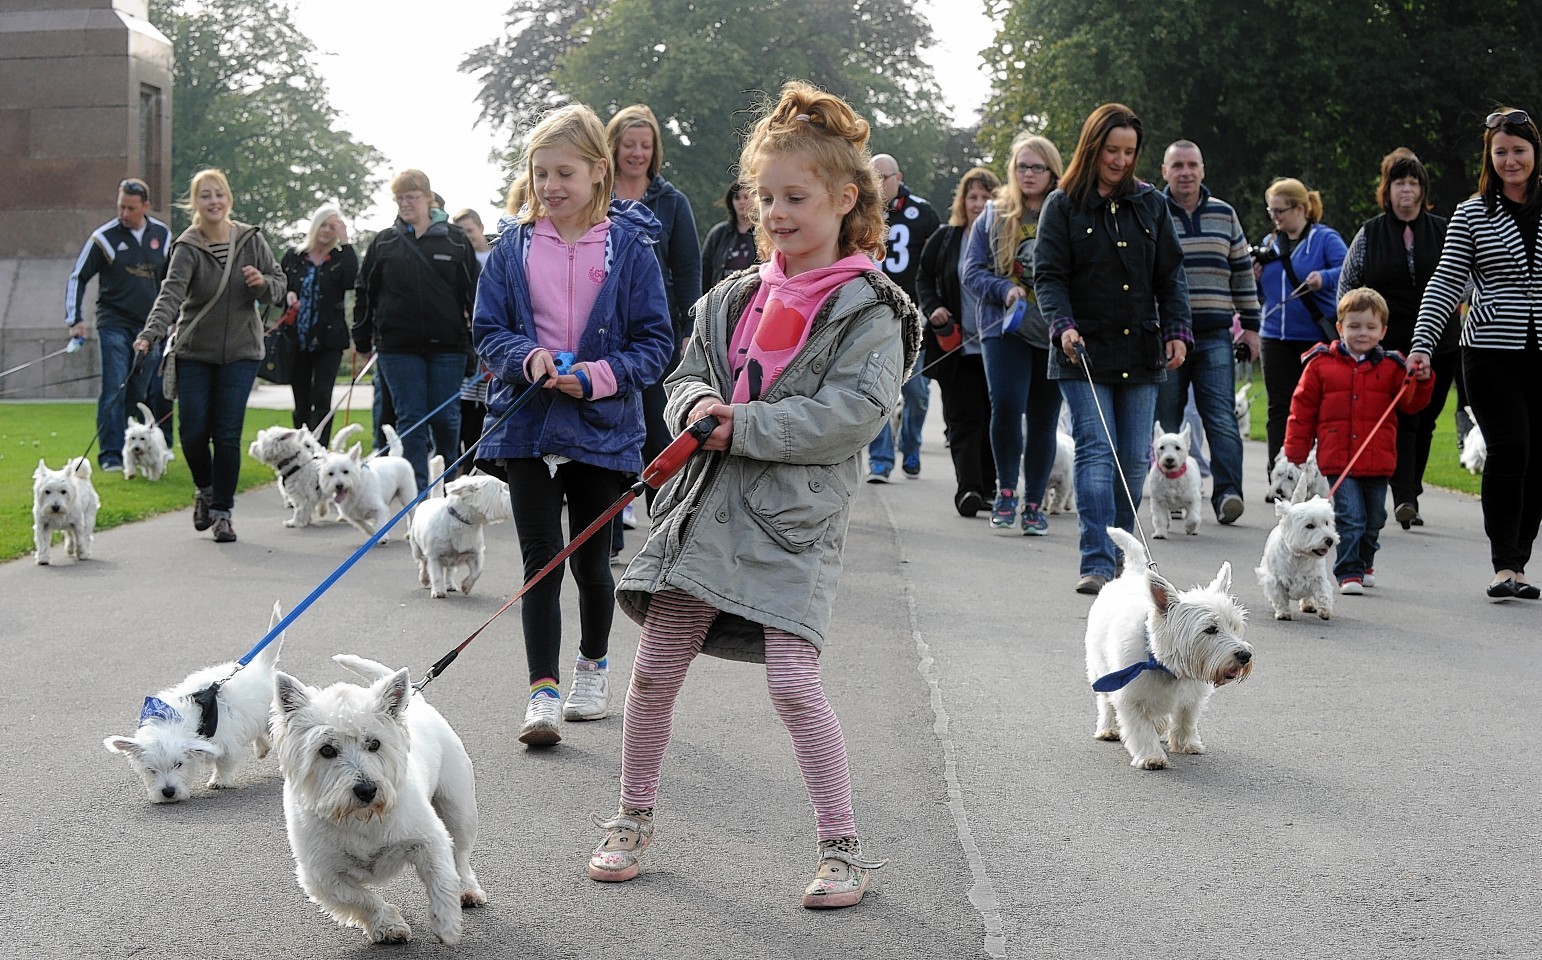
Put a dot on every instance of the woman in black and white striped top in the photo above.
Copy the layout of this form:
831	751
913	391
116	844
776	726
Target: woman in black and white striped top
1492	242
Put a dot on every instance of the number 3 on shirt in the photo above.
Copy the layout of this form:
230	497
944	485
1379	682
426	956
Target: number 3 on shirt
898	260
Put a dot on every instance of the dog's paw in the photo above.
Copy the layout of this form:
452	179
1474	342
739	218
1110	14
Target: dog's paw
1109	734
1159	534
1325	614
392	929
476	897
215	783
450	935
1307	606
1190	746
1149	763
1282	614
437	594
291	523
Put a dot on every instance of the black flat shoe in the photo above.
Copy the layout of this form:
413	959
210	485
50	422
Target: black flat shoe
1528	591
1501	589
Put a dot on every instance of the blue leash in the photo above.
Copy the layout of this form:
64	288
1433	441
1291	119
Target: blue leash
426	417
303	605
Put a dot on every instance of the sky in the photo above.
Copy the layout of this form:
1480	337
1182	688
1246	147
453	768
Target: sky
422	112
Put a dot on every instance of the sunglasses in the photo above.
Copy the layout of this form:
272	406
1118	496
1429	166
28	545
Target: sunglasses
134	189
1515	118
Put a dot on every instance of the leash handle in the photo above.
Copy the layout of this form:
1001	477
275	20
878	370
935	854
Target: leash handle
673	457
1407	381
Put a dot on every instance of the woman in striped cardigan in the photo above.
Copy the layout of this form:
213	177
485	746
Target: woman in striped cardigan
1492	242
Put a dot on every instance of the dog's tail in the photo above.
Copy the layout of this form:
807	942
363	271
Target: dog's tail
435	469
393	442
340	438
269	655
144	411
1134	554
364	667
80	467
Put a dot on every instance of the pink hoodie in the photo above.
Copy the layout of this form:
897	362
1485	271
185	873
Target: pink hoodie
564	283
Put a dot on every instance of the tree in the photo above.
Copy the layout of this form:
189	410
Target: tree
1314	89
704	66
247	98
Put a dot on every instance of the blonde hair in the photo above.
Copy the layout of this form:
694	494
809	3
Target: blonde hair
191	206
1293	190
409	180
514	198
573	126
822	128
1012	203
959	215
323	213
637	115
1364	298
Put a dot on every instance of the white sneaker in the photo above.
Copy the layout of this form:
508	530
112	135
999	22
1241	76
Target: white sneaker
540	729
1352	588
589	696
629	517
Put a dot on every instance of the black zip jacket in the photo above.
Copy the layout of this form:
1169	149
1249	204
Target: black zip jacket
129	271
337	275
400	307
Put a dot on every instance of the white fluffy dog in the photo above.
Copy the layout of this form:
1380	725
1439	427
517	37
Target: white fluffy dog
368	773
1474	447
1295	564
1155	654
1243	410
64	500
1284	476
179	735
364	492
1060	491
447	531
295	457
1173	482
144	447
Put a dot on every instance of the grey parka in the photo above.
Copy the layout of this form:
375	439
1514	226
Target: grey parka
758	531
231	330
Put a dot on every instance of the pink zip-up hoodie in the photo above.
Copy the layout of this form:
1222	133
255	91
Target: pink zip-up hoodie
564	283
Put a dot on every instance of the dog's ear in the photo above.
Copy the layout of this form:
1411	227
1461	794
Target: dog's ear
395	691
205	747
289	694
354	451
124	745
1156	433
1163	593
1222	581
1187	433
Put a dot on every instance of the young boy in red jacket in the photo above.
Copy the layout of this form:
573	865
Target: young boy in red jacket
1346	387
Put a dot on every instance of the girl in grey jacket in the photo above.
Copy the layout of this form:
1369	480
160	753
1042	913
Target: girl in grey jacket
800	361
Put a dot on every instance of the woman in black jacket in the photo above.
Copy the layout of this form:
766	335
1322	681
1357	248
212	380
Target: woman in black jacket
1108	272
730	245
319	274
954	314
1394	253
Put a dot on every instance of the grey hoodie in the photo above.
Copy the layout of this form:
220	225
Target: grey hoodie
231	330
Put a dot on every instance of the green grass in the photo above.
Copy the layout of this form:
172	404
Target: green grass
59	431
1443	470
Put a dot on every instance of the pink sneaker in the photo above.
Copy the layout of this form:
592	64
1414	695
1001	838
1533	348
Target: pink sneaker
627	835
841	879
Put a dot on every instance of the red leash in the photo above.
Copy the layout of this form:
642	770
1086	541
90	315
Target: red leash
1407	381
654	475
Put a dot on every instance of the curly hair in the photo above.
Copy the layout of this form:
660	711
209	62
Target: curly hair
823	128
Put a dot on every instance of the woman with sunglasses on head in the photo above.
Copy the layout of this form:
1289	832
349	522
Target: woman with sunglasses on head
1491	243
1108	273
1297	267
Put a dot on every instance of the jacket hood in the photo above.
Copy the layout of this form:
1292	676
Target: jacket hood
437	228
657	187
633	216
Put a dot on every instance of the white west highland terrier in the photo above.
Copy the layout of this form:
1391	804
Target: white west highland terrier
1295	565
1474	447
365	492
1173	482
144	447
1155	654
447	531
175	742
368	772
1243	410
1060	491
1284	476
64	500
295	457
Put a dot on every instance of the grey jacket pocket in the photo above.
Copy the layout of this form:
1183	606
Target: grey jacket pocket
879	380
795	502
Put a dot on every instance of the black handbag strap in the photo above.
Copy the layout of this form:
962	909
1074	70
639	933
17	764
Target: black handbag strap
1324	325
412	244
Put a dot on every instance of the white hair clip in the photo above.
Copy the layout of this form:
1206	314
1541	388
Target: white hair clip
802	116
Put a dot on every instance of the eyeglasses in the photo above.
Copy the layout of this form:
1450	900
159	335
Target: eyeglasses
1514	117
411	196
1279	211
1034	168
884	177
134	189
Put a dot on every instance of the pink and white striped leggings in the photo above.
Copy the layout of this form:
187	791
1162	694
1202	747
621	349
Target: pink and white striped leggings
672	636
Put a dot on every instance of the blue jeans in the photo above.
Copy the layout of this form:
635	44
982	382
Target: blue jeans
381	407
1210	370
420	382
116	345
916	396
212	398
1018	374
1360	510
1100	498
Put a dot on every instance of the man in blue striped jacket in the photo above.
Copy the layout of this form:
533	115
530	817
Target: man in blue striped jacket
1220	274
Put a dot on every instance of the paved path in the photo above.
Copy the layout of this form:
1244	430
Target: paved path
1370	792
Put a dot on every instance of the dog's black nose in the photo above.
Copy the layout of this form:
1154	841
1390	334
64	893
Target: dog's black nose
364	791
168	792
1244	656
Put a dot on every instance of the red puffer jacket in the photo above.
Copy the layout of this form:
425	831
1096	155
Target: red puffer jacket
1337	402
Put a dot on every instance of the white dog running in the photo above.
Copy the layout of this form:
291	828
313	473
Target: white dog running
144	447
1295	560
1173	482
175	742
295	457
365	492
447	531
368	772
1155	654
64	500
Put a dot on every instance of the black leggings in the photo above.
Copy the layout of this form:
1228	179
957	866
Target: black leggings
537	498
311	382
1504	388
1282	371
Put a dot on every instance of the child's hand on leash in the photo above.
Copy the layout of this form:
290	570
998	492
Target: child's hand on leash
720	437
572	383
540	364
